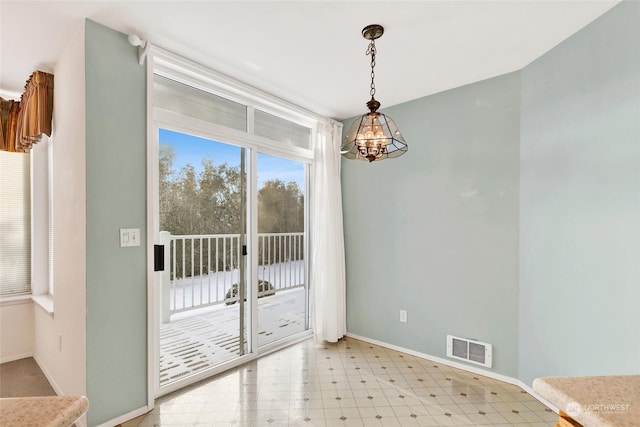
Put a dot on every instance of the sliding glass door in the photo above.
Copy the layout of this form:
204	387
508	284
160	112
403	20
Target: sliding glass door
212	287
228	206
282	283
202	225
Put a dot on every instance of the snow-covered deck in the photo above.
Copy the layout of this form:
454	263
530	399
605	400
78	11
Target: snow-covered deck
200	339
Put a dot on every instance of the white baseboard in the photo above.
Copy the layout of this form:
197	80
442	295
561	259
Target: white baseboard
494	375
14	357
126	417
546	403
48	375
82	421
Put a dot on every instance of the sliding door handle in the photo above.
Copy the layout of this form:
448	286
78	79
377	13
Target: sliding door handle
158	257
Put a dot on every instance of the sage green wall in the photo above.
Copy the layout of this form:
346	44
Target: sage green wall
116	198
435	232
515	216
580	203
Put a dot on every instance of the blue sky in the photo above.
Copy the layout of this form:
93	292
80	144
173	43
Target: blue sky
192	149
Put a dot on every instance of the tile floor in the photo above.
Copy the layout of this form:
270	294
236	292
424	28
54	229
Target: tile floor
23	378
351	383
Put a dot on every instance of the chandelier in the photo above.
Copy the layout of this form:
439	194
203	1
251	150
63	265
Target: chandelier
373	136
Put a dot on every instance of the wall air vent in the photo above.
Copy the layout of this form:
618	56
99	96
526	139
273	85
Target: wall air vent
469	350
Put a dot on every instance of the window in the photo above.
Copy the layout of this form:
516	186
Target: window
50	215
26	221
41	218
230	108
25	189
281	130
188	101
15	224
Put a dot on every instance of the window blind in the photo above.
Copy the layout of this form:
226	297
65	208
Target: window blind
281	130
15	224
189	101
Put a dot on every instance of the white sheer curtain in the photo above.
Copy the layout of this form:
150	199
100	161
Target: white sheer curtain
328	288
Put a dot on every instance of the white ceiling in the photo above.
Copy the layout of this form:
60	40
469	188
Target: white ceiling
310	53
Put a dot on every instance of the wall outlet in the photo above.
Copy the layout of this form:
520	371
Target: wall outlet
403	316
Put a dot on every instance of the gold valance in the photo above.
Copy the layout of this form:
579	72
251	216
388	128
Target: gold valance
9	110
23	123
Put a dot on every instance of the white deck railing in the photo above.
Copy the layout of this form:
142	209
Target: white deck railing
200	270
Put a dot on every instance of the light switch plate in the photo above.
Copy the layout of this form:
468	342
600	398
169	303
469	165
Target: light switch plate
129	237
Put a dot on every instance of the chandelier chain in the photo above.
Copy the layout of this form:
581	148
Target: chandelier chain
371	50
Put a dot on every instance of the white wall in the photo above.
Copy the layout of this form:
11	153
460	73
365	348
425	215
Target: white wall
16	342
66	365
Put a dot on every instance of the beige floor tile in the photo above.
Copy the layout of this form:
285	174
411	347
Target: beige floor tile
351	383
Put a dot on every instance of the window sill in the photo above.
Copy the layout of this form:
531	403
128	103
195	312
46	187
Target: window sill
20	299
44	301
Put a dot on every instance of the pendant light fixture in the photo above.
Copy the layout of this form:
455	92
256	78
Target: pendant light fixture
373	136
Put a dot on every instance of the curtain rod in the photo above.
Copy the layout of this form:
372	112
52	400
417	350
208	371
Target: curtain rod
143	46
